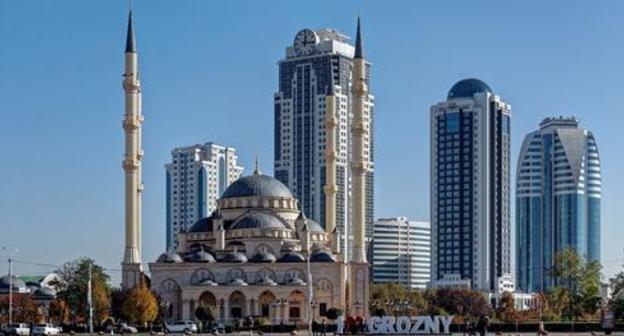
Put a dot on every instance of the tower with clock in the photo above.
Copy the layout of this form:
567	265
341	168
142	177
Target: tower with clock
305	42
324	80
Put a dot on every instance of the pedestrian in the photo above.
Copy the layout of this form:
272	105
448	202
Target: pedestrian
323	328
482	325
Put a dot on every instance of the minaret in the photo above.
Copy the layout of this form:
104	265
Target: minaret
330	160
131	265
359	166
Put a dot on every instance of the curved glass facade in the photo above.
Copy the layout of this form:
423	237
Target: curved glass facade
557	200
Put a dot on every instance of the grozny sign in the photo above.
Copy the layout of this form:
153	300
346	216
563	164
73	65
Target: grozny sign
438	324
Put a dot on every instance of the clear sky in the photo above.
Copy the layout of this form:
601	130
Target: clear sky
209	73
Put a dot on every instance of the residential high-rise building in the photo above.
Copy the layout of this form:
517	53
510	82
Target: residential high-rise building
470	186
558	191
402	252
196	177
318	65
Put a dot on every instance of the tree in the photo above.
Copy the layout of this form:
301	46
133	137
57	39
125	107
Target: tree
205	314
140	305
73	284
333	313
59	311
617	295
506	309
117	298
579	281
460	302
392	298
25	309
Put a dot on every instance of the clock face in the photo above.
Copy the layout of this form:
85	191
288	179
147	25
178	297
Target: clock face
305	42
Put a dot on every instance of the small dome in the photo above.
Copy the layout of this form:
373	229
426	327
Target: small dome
467	88
322	256
202	225
314	226
257	185
237	282
234	257
292	256
202	257
263	257
170	257
296	281
266	281
5	282
207	282
258	220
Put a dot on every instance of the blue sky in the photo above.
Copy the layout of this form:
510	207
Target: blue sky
209	73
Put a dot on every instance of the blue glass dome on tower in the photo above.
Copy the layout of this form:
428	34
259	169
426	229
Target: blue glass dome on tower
467	88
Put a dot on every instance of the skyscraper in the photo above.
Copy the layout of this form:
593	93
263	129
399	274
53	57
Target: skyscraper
133	119
318	64
470	185
196	177
402	252
558	191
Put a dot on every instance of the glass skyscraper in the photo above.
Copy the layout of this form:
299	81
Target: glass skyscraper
316	63
557	200
470	187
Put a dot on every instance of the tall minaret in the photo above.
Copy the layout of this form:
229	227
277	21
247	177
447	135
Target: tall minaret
331	187
131	265
359	129
330	160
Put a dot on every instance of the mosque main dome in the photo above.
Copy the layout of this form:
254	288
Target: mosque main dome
467	88
257	185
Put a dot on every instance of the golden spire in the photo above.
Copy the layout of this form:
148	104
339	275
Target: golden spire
257	170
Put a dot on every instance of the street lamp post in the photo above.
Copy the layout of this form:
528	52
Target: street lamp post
10	259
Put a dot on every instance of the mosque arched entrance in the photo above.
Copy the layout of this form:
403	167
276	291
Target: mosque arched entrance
237	305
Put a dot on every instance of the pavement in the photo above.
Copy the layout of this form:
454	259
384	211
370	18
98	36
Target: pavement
305	333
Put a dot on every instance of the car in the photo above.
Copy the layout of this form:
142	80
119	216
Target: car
126	328
184	326
217	328
18	329
45	329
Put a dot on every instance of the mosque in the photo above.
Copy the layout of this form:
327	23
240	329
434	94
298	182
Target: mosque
257	254
249	258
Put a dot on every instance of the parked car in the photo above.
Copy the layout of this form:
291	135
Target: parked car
18	329
126	328
121	327
217	328
45	329
181	326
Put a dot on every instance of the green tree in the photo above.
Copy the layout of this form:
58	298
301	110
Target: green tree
578	283
140	305
205	314
617	295
73	287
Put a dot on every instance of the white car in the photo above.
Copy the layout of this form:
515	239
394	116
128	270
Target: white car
126	328
19	329
181	327
46	329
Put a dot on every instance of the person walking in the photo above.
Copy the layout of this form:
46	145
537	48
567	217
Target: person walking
482	325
